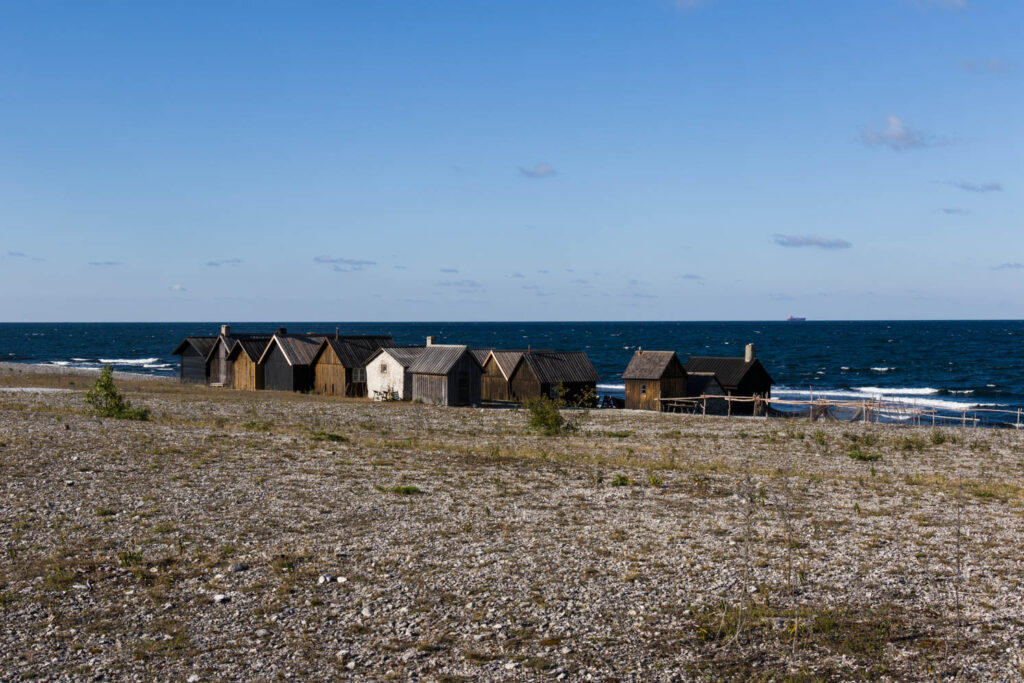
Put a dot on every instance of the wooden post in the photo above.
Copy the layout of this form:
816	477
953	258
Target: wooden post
1018	418
704	408
728	402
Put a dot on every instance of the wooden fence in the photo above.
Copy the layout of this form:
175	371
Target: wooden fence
873	410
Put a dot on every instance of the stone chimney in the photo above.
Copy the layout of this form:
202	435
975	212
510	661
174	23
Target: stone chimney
430	340
225	330
750	354
282	330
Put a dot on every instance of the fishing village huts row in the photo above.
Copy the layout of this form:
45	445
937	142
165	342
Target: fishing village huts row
450	374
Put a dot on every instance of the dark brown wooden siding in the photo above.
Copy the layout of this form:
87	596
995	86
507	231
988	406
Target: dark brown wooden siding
493	385
329	374
524	385
193	367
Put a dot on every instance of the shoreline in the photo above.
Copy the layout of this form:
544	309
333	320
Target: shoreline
8	368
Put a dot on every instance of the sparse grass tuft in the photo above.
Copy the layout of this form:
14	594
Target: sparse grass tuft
856	453
401	490
620	480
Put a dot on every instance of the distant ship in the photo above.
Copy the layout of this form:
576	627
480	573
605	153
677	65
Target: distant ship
794	319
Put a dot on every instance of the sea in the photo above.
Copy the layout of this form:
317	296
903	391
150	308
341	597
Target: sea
950	366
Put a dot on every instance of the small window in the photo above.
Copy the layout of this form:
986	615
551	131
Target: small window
383	368
643	389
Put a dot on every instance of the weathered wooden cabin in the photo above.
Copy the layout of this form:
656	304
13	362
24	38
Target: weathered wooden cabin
498	367
743	377
193	352
339	366
246	372
546	373
445	374
704	384
652	376
387	373
221	367
287	362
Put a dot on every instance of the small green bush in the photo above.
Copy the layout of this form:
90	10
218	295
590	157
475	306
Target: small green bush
856	453
107	401
620	480
322	435
938	437
819	437
546	415
403	490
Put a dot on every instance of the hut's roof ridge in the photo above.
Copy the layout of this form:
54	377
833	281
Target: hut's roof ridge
729	371
402	354
253	345
553	367
202	345
439	359
648	364
298	349
354	350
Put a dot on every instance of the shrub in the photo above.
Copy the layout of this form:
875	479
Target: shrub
857	454
938	437
546	415
323	435
620	480
402	490
107	401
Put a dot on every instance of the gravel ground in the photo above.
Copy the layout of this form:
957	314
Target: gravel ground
258	536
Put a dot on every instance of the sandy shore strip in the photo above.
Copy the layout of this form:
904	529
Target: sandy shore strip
264	535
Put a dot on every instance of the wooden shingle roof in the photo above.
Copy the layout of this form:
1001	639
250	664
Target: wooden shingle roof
439	359
298	349
252	345
353	351
481	355
566	367
728	371
202	345
701	383
648	364
402	354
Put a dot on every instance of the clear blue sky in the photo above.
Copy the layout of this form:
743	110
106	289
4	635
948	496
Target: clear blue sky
691	160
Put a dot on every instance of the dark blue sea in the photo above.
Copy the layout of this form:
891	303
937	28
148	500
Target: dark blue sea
949	365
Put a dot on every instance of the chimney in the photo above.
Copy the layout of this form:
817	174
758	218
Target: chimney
225	330
337	332
750	354
282	330
430	340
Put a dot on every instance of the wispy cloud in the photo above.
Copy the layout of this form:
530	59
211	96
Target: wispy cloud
543	272
811	241
450	270
977	187
898	136
344	265
945	4
541	170
224	262
517	275
692	276
177	288
105	264
21	254
581	281
987	66
462	286
536	290
1008	266
953	211
639	295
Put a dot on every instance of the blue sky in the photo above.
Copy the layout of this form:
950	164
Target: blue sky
645	160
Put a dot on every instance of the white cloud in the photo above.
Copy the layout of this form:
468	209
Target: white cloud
898	136
541	170
978	187
177	288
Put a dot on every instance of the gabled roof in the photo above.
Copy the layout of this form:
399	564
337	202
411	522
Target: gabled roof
481	355
507	361
202	345
439	359
700	383
298	349
552	367
253	345
648	364
728	371
402	354
353	351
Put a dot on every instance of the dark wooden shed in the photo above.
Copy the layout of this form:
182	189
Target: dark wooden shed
704	384
193	352
447	375
546	373
651	376
339	367
744	377
287	362
221	367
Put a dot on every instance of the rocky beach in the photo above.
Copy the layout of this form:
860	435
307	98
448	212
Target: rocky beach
265	536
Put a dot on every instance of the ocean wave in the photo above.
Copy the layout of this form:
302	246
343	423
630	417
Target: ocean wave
904	391
882	368
888	399
157	366
612	387
128	361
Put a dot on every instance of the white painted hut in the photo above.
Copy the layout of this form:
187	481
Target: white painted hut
387	377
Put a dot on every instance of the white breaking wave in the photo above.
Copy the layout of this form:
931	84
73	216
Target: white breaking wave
612	387
909	398
882	369
898	391
128	361
157	366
